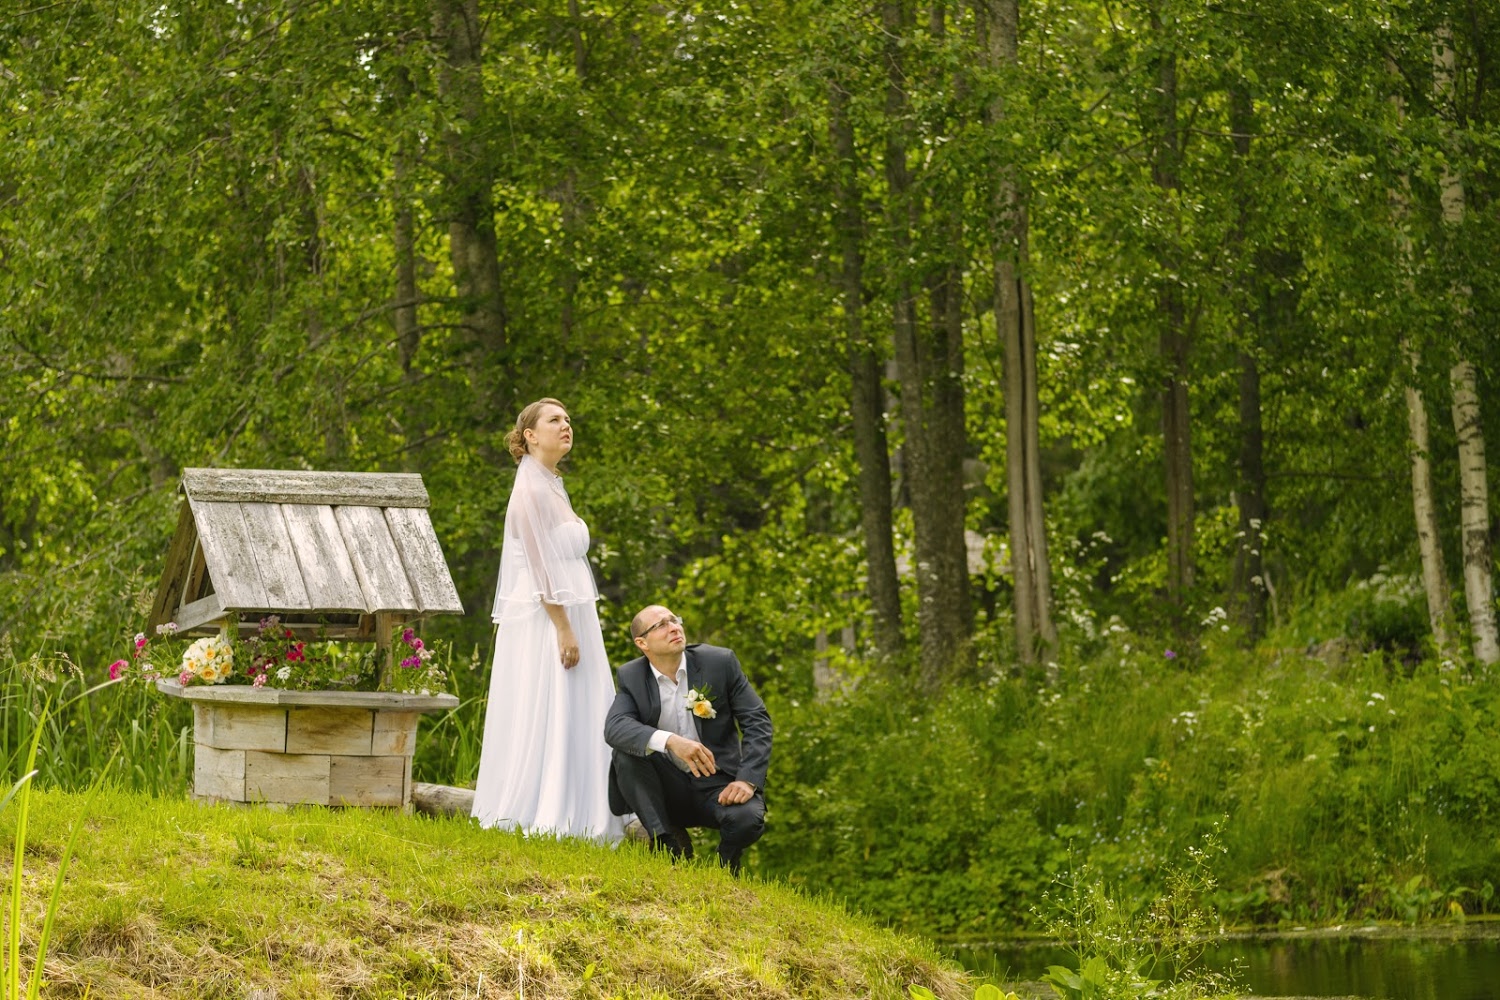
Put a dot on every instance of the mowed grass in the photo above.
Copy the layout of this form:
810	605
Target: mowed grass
171	898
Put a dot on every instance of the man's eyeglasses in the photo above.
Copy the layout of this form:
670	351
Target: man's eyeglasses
669	620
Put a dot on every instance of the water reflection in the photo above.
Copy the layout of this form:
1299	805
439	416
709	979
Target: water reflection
1461	963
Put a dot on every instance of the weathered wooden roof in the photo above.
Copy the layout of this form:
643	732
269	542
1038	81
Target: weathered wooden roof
252	540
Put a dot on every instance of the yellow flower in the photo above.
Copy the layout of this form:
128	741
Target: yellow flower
700	703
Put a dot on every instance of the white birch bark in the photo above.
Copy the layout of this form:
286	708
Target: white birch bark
1434	573
1473	482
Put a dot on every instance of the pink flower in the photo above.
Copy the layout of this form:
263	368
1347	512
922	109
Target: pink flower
260	680
417	644
407	636
185	678
140	640
116	669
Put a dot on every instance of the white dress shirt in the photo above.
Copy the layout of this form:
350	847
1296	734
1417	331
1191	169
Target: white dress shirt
676	718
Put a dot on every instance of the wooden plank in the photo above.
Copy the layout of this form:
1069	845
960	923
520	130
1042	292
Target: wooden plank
327	571
202	724
367	781
286	777
198	583
280	574
376	563
175	569
422	559
329	730
367	489
248	695
191	616
395	734
230	552
245	727
218	774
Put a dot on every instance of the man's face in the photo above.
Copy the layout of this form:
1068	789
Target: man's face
662	633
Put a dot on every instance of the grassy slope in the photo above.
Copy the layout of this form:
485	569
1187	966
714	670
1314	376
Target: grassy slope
171	898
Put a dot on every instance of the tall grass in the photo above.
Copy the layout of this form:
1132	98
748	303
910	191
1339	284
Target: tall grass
90	722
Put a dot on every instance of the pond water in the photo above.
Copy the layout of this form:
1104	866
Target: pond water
1459	963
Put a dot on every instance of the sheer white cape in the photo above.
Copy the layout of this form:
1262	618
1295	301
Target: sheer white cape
538	558
544	765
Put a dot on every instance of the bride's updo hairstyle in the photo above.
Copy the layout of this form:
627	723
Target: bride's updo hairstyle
525	421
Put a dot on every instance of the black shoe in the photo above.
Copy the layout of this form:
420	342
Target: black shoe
675	841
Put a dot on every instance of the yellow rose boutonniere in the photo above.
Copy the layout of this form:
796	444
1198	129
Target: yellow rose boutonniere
699	702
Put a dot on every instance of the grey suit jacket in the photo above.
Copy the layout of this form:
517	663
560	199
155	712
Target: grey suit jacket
739	734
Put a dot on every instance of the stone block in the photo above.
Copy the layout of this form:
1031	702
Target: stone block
286	777
329	730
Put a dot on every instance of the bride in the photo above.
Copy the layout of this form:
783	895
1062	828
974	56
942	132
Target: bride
543	766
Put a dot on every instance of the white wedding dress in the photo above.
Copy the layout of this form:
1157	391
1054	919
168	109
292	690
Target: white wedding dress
544	765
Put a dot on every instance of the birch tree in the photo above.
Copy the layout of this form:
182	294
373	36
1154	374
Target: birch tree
1473	481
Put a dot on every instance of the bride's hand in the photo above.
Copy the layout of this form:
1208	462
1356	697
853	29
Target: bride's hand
567	645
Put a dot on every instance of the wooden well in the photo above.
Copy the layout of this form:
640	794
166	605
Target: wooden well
335	555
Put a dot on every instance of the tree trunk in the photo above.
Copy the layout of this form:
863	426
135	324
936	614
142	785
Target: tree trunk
1429	547
1249	562
871	451
942	617
1434	573
1473	483
1173	343
1015	325
469	179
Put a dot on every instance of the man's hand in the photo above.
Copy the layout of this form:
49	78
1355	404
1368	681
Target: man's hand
698	758
736	792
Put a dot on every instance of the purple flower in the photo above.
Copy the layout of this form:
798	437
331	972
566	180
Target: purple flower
1171	655
116	669
408	636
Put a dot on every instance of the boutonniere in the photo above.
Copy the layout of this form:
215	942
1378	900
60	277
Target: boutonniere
700	703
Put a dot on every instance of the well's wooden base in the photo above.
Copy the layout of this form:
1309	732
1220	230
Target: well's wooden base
332	748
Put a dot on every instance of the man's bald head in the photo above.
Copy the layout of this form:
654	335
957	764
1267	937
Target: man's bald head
645	618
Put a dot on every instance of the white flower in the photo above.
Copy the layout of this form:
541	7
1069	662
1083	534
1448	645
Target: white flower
284	673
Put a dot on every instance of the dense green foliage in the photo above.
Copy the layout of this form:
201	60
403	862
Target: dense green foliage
1342	788
209	213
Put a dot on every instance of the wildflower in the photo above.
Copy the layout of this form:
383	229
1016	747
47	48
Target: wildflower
1170	655
185	678
295	654
283	673
140	640
407	636
260	680
116	669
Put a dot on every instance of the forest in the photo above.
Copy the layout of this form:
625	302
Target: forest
1073	412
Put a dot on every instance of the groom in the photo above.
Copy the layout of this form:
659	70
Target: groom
692	741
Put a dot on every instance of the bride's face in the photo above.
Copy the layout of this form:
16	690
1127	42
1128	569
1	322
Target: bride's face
552	437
